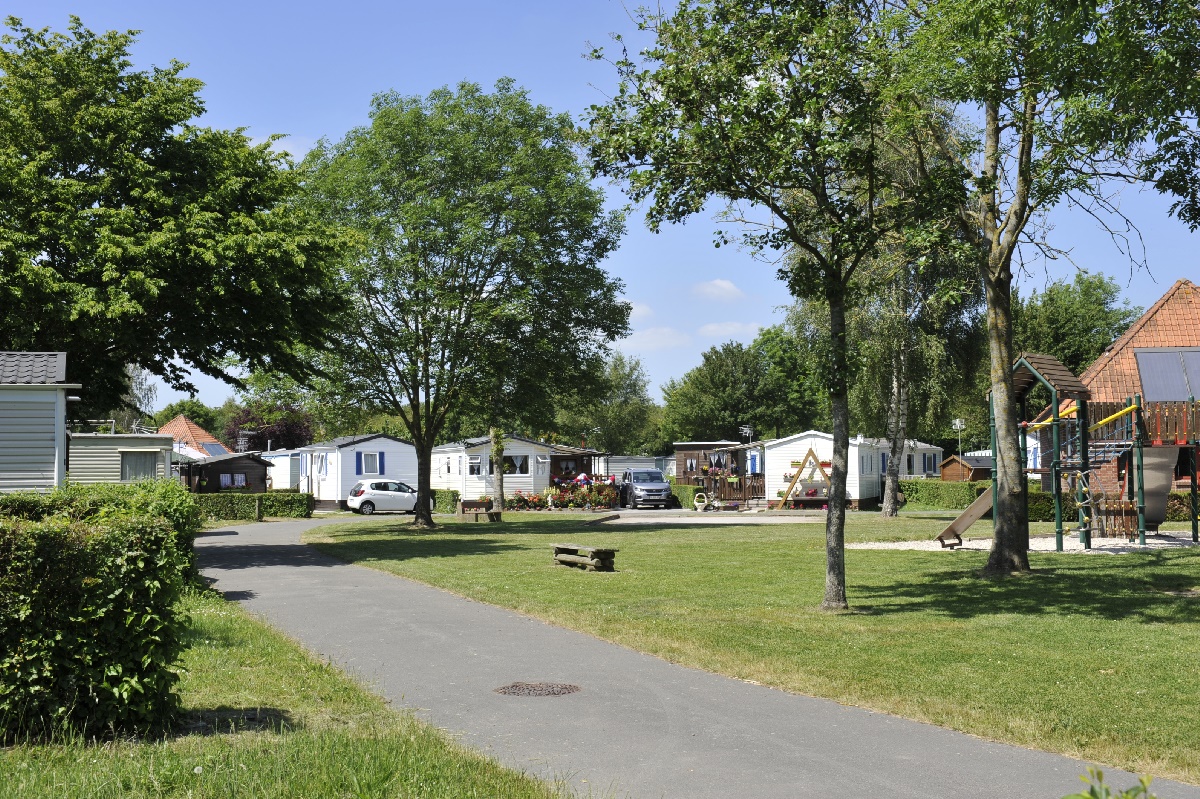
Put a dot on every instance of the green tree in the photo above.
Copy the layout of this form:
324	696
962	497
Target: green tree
1075	322
617	413
713	400
476	276
791	397
1072	95
130	237
193	409
784	107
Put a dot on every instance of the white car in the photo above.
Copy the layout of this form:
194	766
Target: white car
368	496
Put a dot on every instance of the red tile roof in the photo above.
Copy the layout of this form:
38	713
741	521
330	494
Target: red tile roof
1173	321
185	431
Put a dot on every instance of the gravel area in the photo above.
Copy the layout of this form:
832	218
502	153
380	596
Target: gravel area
1100	546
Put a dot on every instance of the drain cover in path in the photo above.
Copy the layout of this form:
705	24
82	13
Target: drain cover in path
537	689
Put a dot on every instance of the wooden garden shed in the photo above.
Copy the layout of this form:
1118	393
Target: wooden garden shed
966	468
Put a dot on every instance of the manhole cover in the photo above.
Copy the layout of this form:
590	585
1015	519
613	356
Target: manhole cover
537	689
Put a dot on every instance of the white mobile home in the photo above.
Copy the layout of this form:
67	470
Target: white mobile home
285	468
918	459
33	420
863	485
329	469
119	458
529	466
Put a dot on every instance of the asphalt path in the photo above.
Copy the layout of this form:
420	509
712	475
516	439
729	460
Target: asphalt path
637	727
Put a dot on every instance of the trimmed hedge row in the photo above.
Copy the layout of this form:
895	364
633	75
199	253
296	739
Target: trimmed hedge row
685	494
89	626
942	494
445	500
155	498
253	507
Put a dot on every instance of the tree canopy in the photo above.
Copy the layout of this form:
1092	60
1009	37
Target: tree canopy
130	237
476	279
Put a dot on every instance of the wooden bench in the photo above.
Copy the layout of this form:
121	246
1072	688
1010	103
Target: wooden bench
593	559
475	508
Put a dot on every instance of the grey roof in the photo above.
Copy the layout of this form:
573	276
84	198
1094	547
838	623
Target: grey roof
974	461
477	441
253	456
347	441
33	368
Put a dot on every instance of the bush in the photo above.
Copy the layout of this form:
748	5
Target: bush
89	628
941	494
1179	506
684	494
523	501
445	500
162	498
288	505
231	506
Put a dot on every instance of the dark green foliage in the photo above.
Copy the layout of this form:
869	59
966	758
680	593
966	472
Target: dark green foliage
288	505
1041	507
1074	322
89	630
1179	506
92	503
942	494
131	236
445	500
230	506
684	494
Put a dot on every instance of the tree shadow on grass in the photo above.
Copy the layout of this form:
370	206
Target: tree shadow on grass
1153	587
411	547
234	556
229	720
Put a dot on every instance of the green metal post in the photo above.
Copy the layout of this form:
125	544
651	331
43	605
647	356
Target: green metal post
1055	464
1084	482
1194	435
995	463
1138	434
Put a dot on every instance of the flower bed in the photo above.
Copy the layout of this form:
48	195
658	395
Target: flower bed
566	495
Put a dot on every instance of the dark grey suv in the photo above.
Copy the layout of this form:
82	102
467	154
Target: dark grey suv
644	487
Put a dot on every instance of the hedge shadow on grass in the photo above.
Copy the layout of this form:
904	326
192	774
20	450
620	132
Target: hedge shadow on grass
225	720
253	556
1151	587
409	548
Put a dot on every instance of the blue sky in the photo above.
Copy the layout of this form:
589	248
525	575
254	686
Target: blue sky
308	71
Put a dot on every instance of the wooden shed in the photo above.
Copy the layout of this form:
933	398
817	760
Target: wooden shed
966	468
237	471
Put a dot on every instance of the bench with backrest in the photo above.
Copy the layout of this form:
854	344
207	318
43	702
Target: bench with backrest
475	508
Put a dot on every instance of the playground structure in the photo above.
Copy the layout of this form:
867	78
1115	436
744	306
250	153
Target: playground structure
1137	443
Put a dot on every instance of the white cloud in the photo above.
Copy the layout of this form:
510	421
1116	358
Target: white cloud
640	312
730	330
720	289
656	338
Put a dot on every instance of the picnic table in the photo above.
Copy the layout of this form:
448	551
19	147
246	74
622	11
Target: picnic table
593	559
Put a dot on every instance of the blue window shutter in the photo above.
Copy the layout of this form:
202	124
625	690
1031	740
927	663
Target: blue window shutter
883	463
382	471
358	463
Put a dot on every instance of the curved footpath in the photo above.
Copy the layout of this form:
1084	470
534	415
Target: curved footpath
639	727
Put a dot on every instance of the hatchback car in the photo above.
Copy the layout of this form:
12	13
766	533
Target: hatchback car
644	487
368	496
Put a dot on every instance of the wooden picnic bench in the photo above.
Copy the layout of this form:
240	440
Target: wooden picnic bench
593	559
476	508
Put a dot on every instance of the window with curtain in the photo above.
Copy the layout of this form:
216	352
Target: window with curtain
139	465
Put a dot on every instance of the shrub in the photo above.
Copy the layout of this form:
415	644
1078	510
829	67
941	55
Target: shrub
162	498
570	495
523	501
942	494
89	627
231	506
1179	506
287	505
445	500
684	494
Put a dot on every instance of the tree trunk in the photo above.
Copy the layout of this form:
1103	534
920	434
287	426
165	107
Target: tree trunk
1010	546
835	519
897	431
422	514
498	462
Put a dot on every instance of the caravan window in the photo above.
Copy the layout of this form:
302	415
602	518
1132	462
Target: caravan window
473	465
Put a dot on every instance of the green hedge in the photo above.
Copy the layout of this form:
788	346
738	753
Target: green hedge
162	498
1179	506
942	494
290	506
231	506
684	494
89	627
445	500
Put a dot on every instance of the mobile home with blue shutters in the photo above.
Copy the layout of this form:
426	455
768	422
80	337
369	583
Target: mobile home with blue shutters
329	469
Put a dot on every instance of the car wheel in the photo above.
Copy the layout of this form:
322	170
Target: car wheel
367	508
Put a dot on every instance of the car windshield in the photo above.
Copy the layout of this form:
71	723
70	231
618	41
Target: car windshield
648	477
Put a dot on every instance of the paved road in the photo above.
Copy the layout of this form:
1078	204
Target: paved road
639	727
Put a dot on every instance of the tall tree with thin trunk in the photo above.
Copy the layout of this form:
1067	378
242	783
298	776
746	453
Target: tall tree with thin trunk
1072	96
780	107
480	239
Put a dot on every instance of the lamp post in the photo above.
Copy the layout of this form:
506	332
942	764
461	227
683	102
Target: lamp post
959	425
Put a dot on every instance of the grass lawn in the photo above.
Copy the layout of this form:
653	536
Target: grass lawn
264	720
1094	656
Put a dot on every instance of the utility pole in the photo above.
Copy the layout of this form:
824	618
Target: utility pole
959	425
